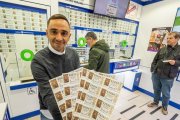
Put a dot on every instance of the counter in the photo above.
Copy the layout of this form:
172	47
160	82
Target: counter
121	65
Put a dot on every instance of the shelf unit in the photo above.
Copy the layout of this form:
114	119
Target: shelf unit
20	19
112	30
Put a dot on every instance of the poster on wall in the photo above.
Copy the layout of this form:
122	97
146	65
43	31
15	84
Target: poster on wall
134	11
81	41
158	38
176	26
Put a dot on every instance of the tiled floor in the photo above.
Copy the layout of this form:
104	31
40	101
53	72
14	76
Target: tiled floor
133	106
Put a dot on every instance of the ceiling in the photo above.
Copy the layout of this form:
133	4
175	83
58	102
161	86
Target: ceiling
146	2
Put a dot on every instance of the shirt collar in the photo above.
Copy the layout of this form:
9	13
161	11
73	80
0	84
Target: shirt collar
55	51
175	47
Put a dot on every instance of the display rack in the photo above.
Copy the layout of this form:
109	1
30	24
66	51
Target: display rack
113	30
21	27
20	19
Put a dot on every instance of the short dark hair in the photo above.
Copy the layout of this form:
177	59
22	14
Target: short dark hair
176	35
92	35
57	16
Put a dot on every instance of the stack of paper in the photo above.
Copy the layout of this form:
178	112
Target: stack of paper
86	95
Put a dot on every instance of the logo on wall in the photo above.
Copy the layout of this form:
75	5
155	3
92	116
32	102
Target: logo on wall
132	8
27	55
132	11
31	90
123	43
81	42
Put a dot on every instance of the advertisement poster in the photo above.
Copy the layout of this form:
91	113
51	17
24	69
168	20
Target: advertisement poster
176	26
134	11
158	38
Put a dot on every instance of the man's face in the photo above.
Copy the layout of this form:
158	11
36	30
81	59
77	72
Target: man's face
58	34
171	40
89	41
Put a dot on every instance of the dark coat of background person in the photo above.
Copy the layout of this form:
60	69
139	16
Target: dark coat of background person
99	57
165	69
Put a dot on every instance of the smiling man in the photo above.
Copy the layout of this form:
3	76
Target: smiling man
52	61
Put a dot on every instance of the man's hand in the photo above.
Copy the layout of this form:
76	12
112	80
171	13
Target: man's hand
172	62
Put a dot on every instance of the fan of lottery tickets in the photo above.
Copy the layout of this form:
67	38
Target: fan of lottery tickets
85	94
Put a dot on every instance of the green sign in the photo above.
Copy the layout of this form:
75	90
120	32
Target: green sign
27	55
124	43
177	21
81	42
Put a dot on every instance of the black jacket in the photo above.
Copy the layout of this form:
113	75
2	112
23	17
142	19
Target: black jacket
165	69
47	65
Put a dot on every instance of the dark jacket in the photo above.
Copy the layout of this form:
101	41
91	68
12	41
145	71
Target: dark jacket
165	69
47	65
99	57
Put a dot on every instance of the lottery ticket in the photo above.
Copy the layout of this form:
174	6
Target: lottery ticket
85	94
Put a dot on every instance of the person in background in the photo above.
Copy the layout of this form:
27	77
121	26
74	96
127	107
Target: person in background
164	69
98	55
52	61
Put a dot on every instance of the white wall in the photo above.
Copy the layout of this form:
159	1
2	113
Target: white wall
1	94
160	14
54	6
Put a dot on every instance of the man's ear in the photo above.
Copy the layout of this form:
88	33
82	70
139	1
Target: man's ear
69	36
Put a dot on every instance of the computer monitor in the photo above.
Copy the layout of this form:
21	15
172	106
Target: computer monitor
112	8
